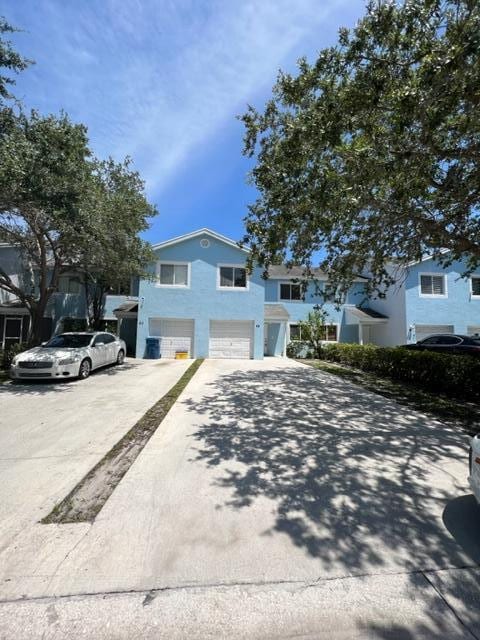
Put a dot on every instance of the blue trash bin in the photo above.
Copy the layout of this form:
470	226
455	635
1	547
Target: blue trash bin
153	348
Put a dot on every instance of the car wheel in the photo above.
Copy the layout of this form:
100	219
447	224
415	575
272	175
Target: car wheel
121	357
85	368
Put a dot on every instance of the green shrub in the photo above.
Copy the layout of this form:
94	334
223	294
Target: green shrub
299	349
9	353
437	372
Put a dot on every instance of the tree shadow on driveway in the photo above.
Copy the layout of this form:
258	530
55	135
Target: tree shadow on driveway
358	482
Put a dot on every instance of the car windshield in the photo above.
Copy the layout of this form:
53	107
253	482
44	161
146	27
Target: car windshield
69	341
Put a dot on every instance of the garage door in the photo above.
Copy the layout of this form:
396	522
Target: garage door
230	339
473	330
175	335
424	330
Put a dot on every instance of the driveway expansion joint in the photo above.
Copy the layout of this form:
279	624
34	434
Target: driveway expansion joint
151	593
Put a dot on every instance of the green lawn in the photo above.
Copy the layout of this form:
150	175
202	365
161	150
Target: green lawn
463	414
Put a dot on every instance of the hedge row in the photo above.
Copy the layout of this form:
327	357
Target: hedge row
438	372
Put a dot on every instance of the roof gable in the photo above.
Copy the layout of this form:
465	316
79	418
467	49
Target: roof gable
196	234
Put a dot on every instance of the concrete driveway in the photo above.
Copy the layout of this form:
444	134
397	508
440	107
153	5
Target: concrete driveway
52	434
274	501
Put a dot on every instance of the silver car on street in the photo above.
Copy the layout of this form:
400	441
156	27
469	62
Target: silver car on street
69	355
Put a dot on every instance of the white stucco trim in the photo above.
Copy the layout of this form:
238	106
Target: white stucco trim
196	234
178	263
234	288
432	295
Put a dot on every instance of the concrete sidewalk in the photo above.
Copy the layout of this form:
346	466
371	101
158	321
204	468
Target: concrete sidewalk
274	501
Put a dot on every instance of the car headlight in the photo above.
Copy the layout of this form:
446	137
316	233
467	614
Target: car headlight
70	360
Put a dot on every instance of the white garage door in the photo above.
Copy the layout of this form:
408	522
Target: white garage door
175	335
424	330
230	339
473	330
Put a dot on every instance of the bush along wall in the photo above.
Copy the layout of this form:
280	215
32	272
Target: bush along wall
458	376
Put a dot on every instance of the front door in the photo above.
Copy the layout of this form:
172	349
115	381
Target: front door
265	339
12	331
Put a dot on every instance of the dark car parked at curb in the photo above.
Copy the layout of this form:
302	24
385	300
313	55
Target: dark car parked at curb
452	343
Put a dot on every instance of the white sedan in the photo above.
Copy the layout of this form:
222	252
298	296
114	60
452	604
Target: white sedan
474	465
69	355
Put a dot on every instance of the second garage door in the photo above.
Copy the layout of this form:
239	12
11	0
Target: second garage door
422	331
175	335
230	339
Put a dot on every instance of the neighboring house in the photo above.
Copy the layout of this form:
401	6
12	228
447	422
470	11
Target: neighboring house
66	309
201	300
430	299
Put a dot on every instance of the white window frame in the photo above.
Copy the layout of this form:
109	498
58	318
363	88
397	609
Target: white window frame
473	295
292	284
175	263
5	318
233	288
327	324
432	295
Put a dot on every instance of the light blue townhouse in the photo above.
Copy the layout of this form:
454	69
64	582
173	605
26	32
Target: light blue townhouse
429	299
200	299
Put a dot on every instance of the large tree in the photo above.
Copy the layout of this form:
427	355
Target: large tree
62	209
112	252
44	177
371	153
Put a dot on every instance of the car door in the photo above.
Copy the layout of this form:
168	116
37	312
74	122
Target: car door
448	344
111	348
99	351
429	344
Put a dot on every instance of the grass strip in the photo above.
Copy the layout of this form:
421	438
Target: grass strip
87	498
465	415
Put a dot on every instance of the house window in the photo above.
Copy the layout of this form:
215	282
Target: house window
432	285
173	275
289	291
330	332
295	332
233	277
69	284
475	280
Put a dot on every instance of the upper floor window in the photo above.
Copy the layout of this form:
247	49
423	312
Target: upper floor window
432	285
173	275
475	284
290	291
232	277
69	284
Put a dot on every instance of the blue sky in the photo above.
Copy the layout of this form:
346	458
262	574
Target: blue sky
162	82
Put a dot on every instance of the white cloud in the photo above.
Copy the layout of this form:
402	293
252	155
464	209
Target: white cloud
179	103
155	79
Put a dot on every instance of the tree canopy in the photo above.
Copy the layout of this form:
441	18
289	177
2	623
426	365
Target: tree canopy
11	62
61	208
371	153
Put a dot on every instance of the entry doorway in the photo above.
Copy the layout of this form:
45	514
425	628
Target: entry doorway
12	331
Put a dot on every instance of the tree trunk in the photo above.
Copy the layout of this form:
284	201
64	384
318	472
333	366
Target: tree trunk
37	312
